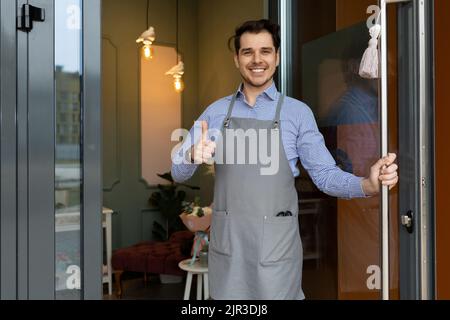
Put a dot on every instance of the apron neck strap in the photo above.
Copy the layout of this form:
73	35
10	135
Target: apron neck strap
276	120
226	122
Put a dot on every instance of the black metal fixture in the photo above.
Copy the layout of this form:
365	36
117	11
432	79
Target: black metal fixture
27	15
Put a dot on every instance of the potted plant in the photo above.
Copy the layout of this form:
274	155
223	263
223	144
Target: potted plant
169	200
198	219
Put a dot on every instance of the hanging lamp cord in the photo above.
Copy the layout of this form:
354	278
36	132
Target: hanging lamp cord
148	8
176	24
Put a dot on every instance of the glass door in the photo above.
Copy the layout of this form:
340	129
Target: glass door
347	242
68	161
342	238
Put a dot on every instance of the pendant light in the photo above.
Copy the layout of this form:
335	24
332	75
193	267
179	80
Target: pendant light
177	71
147	38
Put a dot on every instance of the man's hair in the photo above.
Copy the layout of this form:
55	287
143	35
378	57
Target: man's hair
256	26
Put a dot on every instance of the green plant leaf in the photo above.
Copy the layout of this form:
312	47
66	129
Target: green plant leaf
166	176
159	232
189	186
170	202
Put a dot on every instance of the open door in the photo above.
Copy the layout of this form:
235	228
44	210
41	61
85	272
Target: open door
53	190
365	248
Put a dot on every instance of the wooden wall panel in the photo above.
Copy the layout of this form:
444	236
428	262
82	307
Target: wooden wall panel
442	47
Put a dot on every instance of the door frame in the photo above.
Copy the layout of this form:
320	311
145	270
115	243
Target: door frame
8	159
416	149
27	155
92	240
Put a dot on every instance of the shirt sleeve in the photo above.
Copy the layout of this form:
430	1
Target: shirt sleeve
182	168
322	168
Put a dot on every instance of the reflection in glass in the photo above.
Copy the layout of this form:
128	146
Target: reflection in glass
346	109
68	72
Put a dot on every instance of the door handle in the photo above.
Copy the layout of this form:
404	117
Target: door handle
384	148
408	221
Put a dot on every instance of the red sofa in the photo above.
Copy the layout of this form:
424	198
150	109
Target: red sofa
152	257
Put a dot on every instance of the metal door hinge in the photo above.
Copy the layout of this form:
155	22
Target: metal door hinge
27	14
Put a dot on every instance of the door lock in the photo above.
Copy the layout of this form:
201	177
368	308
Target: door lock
407	221
27	14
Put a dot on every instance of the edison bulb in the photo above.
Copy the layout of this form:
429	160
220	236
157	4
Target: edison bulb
147	51
178	83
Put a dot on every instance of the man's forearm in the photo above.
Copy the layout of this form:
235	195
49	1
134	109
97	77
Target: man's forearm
338	183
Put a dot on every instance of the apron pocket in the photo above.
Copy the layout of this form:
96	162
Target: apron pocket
221	233
279	239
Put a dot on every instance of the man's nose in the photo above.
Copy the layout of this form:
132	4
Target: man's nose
256	57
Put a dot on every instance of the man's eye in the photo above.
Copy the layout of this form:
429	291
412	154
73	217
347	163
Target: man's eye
247	53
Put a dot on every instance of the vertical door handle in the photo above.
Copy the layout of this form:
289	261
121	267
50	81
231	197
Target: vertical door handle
384	149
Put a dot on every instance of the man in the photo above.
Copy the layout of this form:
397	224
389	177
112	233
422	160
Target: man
255	248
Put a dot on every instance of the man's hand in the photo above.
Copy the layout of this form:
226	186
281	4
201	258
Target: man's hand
383	172
203	151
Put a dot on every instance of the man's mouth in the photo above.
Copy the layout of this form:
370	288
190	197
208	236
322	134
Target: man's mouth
257	70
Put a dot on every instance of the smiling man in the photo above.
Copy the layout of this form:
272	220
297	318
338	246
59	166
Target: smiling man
255	249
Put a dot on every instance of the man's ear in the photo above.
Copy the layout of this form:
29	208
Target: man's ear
278	57
236	61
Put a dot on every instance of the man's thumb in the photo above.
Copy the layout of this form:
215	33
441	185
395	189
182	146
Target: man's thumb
380	163
204	130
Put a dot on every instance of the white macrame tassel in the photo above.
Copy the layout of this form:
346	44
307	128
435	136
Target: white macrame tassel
369	63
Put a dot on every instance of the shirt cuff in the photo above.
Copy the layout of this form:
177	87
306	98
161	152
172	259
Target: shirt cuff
355	188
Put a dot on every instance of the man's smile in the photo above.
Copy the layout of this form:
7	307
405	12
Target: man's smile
257	70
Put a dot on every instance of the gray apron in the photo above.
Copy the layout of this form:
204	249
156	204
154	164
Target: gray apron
255	255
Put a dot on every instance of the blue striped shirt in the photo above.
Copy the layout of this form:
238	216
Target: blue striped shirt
300	137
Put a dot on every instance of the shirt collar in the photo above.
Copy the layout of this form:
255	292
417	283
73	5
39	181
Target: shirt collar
271	92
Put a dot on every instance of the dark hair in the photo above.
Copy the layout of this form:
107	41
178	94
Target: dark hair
256	26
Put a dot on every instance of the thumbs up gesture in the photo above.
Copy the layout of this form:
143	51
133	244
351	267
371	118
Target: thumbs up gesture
203	151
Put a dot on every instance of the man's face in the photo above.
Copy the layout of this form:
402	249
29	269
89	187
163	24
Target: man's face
257	59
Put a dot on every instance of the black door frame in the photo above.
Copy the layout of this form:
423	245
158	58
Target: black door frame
416	148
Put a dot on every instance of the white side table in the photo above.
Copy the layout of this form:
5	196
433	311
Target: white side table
202	274
107	225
